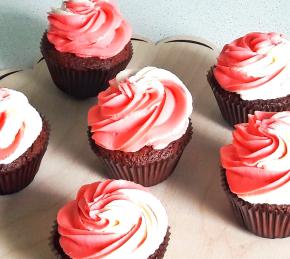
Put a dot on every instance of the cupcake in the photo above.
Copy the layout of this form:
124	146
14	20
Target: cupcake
252	74
140	125
23	141
111	219
86	45
256	173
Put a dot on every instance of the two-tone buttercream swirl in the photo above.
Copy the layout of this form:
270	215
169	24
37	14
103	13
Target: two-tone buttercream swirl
112	219
148	108
256	66
20	125
257	162
88	28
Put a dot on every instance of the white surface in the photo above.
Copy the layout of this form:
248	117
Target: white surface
23	22
201	220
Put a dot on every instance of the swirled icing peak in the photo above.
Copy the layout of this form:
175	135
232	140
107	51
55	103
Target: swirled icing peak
20	125
148	108
256	66
258	160
88	28
112	219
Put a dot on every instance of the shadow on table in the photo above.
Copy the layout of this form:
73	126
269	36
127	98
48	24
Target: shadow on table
26	221
199	178
206	106
69	126
20	37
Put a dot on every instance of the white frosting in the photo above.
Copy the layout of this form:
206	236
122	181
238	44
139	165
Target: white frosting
64	11
279	196
275	59
18	112
154	223
128	220
152	75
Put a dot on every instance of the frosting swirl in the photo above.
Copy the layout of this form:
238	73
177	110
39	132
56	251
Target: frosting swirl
149	108
256	66
20	125
258	160
97	223
88	28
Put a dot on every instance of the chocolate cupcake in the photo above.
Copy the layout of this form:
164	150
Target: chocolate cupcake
97	223
86	45
252	74
24	138
141	125
256	174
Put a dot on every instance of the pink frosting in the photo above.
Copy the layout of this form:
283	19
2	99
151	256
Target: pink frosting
151	108
252	61
258	159
92	225
92	28
7	151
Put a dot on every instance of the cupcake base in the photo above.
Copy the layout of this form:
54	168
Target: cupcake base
83	77
146	166
235	110
59	253
264	220
147	175
21	172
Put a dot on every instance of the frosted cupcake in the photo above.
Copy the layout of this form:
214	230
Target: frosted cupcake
140	125
252	74
86	45
23	141
256	173
112	219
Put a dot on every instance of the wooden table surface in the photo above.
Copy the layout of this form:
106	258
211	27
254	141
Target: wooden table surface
201	220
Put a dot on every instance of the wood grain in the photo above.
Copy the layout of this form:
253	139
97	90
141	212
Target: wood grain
202	223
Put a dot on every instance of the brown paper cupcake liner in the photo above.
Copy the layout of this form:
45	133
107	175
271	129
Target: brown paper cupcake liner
147	175
235	110
264	220
83	84
59	253
18	177
82	77
147	166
